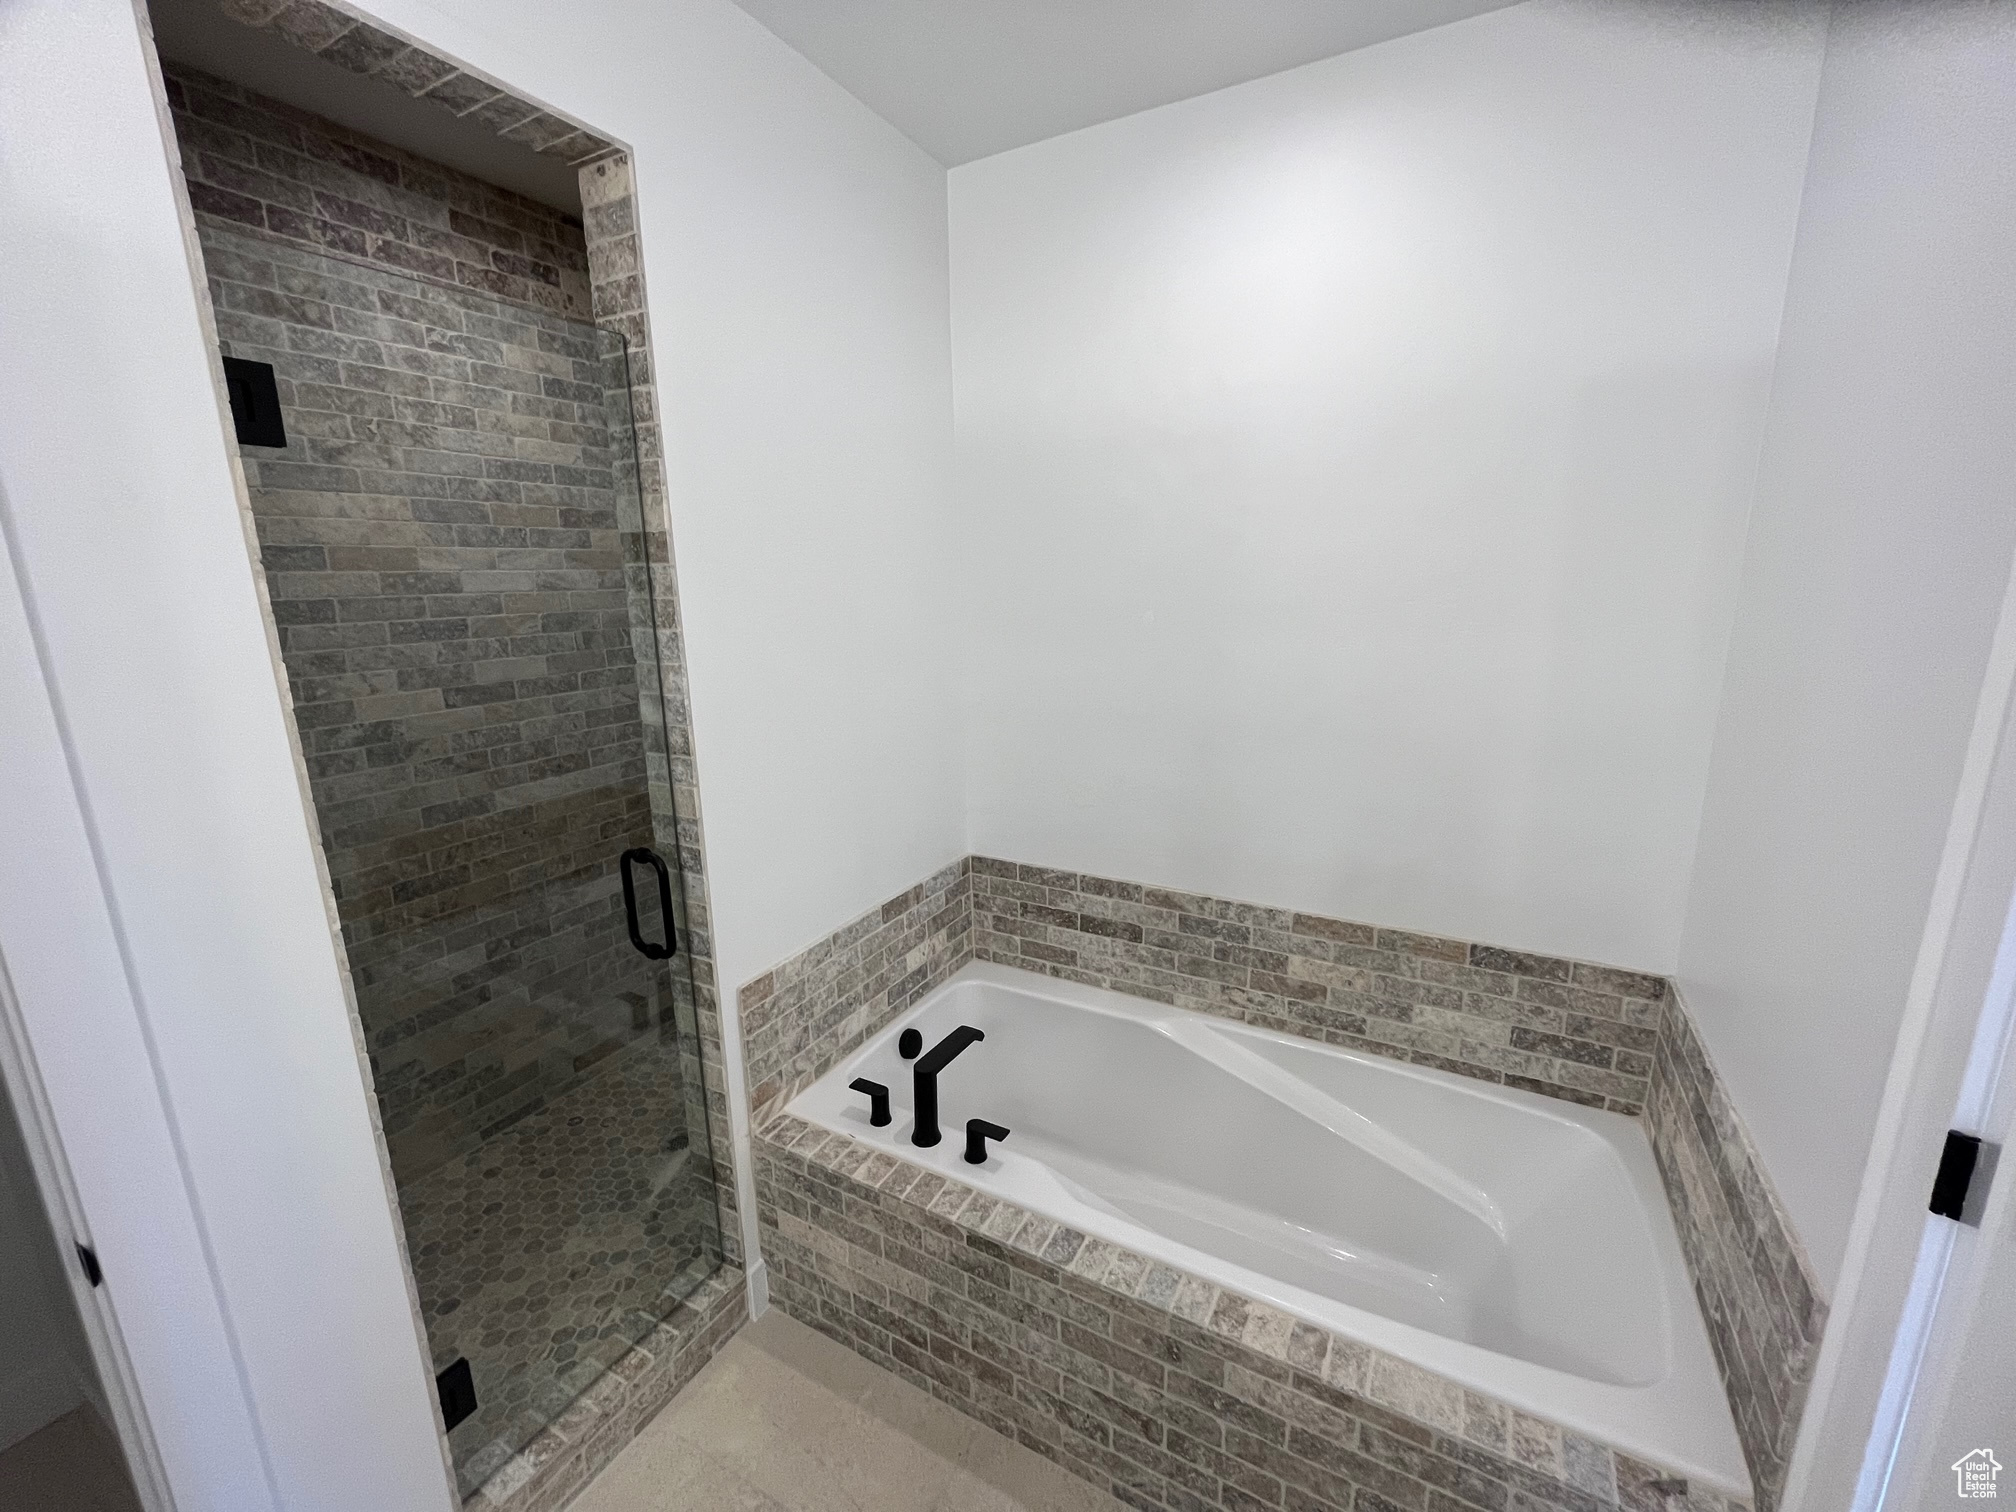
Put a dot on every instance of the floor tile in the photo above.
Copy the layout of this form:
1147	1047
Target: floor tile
786	1420
1000	1475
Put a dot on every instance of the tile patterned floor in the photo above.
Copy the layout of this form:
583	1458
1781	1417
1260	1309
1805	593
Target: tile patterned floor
785	1420
544	1255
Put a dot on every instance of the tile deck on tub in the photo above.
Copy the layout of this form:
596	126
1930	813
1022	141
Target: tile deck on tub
1172	1392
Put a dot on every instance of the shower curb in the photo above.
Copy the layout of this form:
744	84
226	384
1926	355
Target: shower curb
1066	1343
550	1471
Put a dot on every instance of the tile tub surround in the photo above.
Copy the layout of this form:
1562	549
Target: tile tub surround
1534	1022
1565	1028
802	1016
548	1472
1166	1390
1764	1305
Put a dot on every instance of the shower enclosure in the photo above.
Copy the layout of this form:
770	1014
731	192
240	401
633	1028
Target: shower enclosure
453	543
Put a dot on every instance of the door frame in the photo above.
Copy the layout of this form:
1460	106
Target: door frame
73	1047
1902	1468
1883	1309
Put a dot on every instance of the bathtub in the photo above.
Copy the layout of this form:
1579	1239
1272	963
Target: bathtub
1511	1242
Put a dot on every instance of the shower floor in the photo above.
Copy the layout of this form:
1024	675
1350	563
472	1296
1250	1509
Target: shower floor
544	1255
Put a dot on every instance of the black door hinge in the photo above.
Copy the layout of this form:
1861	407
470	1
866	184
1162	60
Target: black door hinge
1953	1185
93	1271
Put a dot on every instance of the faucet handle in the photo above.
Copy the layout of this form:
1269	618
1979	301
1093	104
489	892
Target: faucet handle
878	1099
978	1132
910	1044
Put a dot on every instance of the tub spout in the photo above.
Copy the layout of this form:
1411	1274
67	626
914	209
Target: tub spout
934	1060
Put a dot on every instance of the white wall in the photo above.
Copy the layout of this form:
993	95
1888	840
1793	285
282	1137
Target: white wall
1357	462
795	254
45	1363
1883	535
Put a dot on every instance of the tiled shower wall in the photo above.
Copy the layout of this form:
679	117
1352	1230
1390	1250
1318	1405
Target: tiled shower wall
1589	1034
258	163
285	181
441	544
349	42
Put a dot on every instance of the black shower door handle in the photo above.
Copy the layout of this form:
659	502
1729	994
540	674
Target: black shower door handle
646	947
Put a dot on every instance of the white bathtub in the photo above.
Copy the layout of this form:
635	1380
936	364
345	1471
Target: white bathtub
1514	1243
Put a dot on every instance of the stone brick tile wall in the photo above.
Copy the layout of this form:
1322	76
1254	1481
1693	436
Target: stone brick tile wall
260	164
442	552
805	1014
263	167
1170	1392
446	556
348	41
1763	1302
289	180
1569	1029
1591	1034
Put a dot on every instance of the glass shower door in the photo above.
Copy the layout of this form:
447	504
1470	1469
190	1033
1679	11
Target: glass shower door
455	551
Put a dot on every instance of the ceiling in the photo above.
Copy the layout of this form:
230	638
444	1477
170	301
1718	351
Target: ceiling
965	79
195	32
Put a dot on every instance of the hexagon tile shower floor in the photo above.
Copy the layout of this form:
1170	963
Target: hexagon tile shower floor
544	1254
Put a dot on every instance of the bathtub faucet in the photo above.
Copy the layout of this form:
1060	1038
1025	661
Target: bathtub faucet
934	1060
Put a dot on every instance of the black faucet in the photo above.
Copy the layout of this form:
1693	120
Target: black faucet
978	1132
934	1060
878	1099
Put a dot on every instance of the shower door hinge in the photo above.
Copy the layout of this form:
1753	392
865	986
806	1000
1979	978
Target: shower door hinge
1966	1166
457	1385
93	1271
